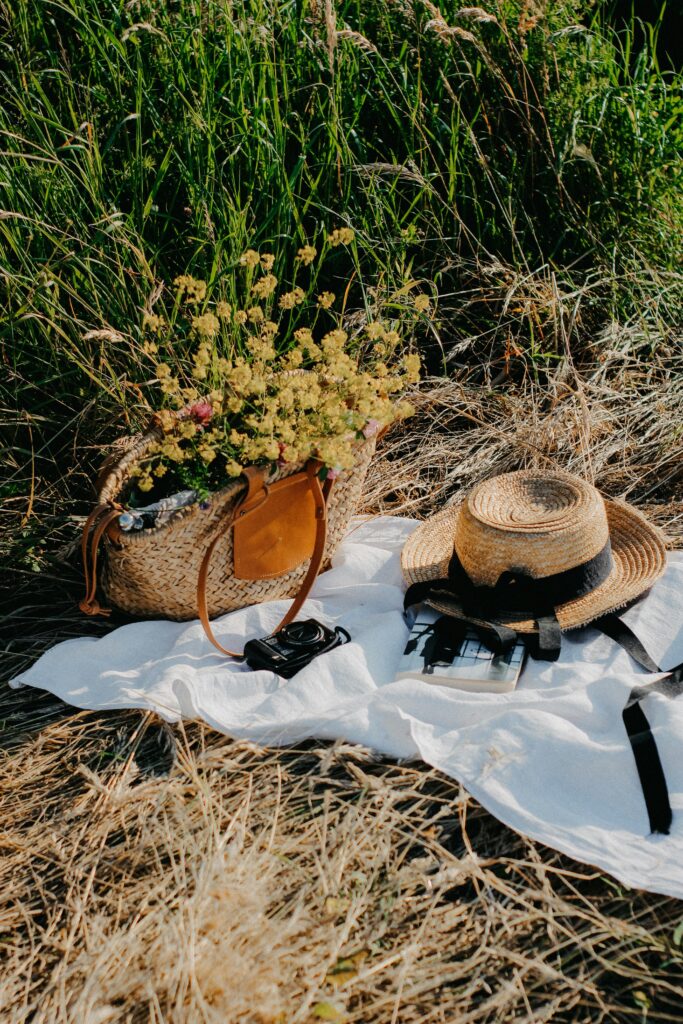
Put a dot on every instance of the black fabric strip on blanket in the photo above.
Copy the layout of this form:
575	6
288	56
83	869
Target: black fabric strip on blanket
648	766
643	744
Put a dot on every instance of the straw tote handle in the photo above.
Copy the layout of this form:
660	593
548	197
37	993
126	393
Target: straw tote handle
320	496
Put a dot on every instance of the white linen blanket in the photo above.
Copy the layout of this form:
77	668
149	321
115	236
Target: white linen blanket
551	759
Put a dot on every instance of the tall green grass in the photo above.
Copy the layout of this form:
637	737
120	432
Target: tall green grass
469	147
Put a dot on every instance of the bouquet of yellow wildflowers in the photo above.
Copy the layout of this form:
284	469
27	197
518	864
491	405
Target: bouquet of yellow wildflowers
281	378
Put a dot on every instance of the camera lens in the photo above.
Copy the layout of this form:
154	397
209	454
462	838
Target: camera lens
303	634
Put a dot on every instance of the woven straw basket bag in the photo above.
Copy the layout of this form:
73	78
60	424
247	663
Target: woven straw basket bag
155	572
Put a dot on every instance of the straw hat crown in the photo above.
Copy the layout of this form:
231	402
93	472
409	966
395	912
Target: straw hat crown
536	523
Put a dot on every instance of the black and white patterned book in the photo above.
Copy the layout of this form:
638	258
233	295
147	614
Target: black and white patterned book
437	654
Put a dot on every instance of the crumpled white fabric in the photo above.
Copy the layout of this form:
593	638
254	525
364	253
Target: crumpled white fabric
551	759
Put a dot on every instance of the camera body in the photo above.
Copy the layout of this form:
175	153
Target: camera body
293	647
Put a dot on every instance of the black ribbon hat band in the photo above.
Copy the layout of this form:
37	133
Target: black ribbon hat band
516	591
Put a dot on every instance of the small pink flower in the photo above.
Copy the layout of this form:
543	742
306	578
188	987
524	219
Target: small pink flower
371	428
332	474
201	412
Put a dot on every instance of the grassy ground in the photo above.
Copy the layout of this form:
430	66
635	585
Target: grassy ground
523	164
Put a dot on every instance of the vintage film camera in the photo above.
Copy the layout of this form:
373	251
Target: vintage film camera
293	647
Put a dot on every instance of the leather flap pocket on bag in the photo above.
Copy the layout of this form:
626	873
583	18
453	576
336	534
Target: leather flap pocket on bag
274	535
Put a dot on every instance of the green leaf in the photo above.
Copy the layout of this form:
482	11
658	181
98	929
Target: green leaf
328	1011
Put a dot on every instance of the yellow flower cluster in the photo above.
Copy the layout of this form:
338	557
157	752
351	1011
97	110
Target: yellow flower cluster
149	348
250	258
314	400
153	323
291	299
307	254
207	325
265	286
190	288
255	389
341	236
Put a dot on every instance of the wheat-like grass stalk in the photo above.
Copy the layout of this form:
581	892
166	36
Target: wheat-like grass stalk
357	39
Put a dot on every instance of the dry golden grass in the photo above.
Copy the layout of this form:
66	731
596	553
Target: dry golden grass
240	884
164	874
247	885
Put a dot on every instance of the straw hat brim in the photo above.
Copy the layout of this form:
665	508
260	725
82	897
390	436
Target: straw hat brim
638	551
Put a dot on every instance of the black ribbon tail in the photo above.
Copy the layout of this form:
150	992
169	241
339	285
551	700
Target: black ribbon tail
449	634
649	766
643	744
548	642
613	627
497	638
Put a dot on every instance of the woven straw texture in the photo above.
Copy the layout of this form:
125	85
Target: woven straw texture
541	524
154	572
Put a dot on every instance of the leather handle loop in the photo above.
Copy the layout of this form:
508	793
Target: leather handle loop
257	488
98	521
202	607
318	548
320	496
251	504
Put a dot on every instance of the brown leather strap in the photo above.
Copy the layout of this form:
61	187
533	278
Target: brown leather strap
257	488
99	519
320	496
318	547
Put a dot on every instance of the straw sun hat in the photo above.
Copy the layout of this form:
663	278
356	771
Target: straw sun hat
530	540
